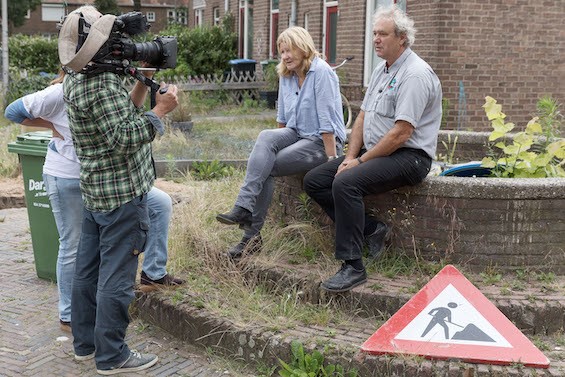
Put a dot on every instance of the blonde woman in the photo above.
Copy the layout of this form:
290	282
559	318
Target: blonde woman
311	131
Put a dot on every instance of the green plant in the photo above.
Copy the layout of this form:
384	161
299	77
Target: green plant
444	110
202	50
208	170
20	86
450	147
34	53
491	275
310	364
533	153
546	277
271	76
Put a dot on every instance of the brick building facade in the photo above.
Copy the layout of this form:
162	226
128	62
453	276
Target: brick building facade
511	50
43	20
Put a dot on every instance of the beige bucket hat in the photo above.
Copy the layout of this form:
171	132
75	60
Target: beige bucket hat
100	29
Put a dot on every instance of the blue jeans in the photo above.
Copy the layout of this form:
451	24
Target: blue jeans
155	256
277	152
67	206
341	197
102	291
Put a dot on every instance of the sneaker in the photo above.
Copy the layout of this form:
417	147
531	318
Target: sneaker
246	246
134	363
167	280
84	357
65	326
345	279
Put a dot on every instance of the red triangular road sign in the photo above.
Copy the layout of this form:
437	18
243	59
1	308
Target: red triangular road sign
449	318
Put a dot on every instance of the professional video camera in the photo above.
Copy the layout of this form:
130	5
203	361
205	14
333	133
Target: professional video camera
119	50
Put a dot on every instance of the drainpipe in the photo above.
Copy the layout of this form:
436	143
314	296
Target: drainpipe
4	46
293	13
226	6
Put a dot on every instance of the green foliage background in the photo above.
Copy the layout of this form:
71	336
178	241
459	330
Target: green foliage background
107	6
203	50
33	53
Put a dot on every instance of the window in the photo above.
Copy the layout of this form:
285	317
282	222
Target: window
198	17
216	13
246	29
371	58
330	30
274	33
52	12
150	16
178	16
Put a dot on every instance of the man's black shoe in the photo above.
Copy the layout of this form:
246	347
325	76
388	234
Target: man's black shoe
238	215
376	240
345	279
245	247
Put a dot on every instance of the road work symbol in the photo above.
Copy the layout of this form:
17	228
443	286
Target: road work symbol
449	318
442	315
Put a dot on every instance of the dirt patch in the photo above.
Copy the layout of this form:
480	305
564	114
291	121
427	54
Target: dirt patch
11	186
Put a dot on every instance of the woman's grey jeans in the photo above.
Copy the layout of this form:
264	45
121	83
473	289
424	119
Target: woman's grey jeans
277	152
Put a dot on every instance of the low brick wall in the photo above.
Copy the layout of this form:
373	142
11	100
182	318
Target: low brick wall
478	222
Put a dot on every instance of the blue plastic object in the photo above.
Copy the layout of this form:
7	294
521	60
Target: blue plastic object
471	169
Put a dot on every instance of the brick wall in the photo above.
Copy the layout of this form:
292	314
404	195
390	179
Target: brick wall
508	49
476	222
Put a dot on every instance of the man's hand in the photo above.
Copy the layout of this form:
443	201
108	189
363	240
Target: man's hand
166	102
348	163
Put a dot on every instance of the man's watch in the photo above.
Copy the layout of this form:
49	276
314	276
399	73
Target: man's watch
331	158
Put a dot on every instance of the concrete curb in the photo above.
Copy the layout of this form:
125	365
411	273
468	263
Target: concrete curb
254	344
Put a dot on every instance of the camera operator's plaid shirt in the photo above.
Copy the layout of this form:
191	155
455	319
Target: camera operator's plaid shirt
112	140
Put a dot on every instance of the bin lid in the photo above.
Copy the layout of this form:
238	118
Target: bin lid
31	143
241	61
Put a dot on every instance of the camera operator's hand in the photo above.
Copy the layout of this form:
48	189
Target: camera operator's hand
147	73
167	101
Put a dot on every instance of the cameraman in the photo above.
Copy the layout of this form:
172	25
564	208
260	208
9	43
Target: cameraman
112	139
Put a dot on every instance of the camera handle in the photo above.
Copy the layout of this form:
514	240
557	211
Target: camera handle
152	84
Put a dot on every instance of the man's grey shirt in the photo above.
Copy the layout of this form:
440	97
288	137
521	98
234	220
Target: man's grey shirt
408	90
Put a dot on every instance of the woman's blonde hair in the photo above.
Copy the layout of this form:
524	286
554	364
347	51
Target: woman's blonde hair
59	78
297	38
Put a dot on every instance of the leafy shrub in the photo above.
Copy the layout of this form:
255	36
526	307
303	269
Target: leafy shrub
202	50
25	85
209	170
533	153
34	53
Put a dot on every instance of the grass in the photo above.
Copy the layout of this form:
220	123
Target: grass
9	164
211	140
197	248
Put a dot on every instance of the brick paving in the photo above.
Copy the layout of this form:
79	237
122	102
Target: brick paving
31	343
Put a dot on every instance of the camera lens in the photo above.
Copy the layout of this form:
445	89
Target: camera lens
161	53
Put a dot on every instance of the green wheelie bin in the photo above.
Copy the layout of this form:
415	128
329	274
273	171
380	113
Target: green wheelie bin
31	148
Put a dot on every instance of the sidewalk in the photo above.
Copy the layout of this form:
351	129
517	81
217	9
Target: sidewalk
31	343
